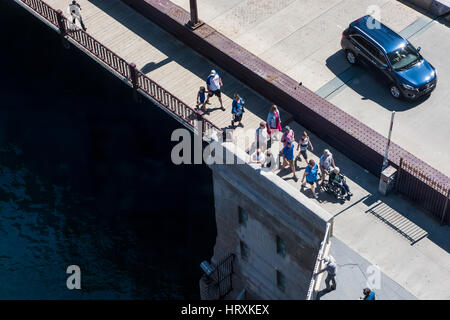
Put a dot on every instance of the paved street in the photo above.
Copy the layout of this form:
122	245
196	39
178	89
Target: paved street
302	39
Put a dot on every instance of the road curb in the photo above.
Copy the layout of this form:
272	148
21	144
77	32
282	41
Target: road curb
436	7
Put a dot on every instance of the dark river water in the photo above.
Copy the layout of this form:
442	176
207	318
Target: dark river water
86	179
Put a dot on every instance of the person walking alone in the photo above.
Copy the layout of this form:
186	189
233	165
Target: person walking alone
74	11
237	110
330	267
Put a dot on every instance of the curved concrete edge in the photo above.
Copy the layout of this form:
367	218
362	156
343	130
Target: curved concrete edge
435	7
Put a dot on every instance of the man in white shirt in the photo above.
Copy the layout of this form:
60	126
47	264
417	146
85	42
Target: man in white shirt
74	11
261	137
214	83
326	162
258	157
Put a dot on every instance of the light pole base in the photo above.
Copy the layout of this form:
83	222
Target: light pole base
194	26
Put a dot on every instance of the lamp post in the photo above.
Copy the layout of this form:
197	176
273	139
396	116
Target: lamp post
194	23
386	153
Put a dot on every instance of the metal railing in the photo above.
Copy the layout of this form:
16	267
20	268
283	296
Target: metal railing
219	282
43	9
313	285
423	190
137	79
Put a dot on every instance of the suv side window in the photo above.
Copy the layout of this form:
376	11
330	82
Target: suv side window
381	57
374	51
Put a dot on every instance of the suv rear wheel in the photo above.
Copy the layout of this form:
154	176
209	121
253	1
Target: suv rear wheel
395	91
351	57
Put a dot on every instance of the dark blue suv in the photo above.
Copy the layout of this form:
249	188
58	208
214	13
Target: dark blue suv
406	72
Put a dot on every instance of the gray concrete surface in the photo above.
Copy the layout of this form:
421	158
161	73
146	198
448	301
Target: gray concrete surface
302	39
355	273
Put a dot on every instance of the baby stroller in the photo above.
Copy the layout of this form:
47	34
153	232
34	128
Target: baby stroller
333	188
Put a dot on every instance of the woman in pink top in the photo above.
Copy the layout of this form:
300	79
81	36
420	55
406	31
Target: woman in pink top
288	135
273	121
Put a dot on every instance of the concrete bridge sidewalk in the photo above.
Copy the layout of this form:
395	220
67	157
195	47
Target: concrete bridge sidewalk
370	224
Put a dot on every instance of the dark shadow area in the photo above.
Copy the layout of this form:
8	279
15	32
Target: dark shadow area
94	183
149	67
368	85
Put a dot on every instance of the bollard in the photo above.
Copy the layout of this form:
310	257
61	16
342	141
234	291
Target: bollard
194	23
62	28
134	82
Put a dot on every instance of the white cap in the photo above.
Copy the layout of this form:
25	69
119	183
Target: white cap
327	152
213	72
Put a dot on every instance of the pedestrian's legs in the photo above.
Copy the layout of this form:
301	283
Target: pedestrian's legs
82	24
330	278
327	281
285	163
291	163
221	104
342	187
313	189
333	280
345	185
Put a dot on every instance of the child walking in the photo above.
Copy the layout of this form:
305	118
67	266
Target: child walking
201	98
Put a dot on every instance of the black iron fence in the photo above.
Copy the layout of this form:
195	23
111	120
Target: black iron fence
218	283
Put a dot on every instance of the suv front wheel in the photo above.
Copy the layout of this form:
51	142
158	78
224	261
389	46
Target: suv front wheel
351	57
395	91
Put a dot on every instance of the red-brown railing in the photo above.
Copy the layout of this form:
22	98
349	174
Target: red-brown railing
128	70
43	9
425	191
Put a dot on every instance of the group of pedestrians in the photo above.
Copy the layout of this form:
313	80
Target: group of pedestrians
270	130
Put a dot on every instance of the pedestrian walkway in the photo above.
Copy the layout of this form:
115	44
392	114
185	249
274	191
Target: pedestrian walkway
355	273
423	269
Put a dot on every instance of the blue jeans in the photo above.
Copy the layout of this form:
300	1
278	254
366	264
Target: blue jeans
344	187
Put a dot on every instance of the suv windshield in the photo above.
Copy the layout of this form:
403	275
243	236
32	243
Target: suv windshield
404	58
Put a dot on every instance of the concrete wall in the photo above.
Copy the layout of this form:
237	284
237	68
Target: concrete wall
273	207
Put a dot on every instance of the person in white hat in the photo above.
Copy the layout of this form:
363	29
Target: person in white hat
214	84
326	162
330	268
